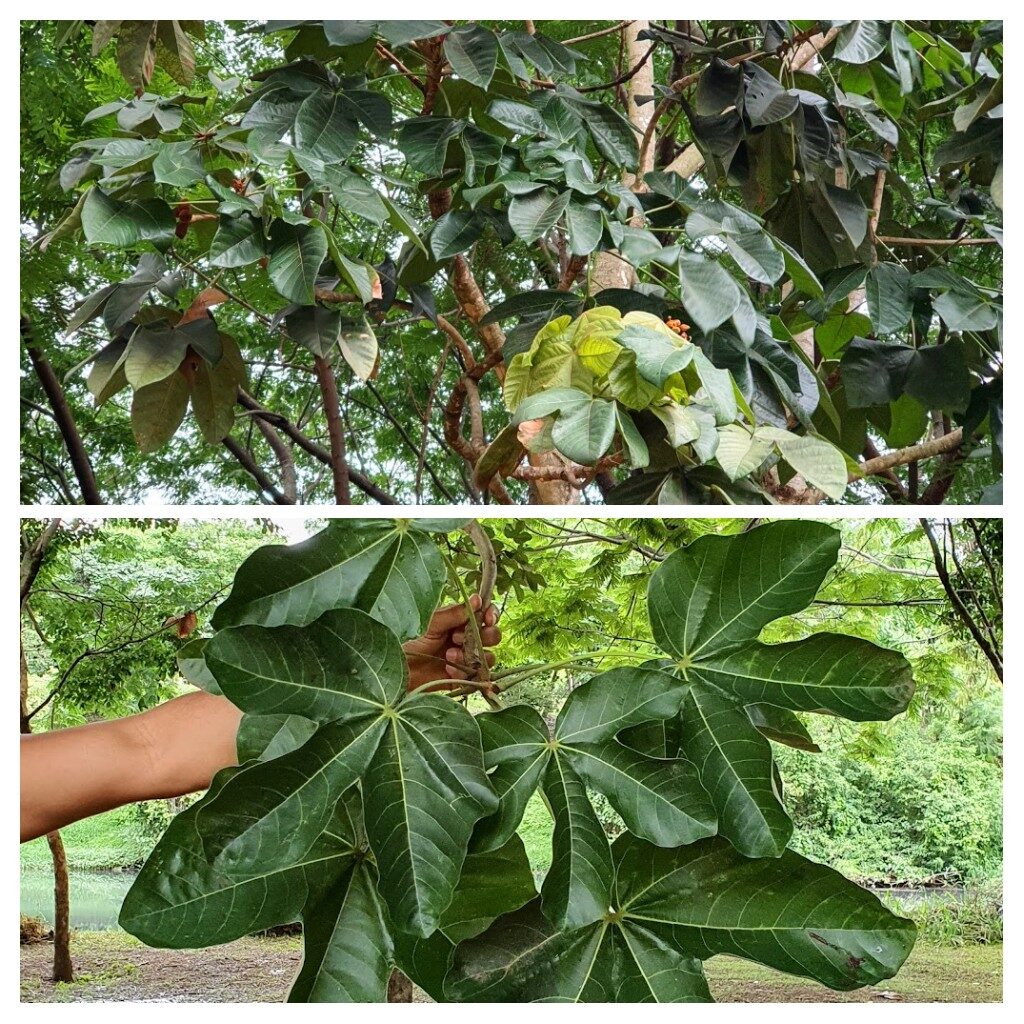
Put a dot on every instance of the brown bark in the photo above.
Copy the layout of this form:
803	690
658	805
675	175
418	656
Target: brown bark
399	988
63	968
335	431
63	417
282	423
959	607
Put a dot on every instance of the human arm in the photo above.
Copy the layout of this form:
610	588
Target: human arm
177	747
172	749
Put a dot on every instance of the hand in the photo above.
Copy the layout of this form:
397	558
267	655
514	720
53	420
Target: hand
438	654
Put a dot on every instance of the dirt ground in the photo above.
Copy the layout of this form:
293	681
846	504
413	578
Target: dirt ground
112	966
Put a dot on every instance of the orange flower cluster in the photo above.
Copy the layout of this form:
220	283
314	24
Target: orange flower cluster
678	326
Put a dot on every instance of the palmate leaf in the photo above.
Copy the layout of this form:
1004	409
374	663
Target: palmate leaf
391	569
424	791
658	798
187	896
348	951
418	758
296	252
708	603
671	908
523	958
788	912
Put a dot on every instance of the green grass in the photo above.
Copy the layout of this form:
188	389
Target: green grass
931	974
105	841
976	919
536	834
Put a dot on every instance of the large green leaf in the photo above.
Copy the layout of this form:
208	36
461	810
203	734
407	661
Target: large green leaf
516	752
787	912
123	224
533	215
187	893
657	358
157	411
660	798
347	947
391	569
419	757
709	294
296	252
734	763
708	603
326	127
859	42
671	908
264	737
890	301
826	672
720	592
577	887
616	700
472	51
493	883
238	242
874	373
343	665
523	958
423	792
585	425
179	164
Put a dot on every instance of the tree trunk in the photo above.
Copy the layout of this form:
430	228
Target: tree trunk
399	988
63	969
609	270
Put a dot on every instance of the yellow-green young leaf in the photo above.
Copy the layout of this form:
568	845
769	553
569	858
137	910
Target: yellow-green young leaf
739	452
603	320
157	411
549	365
818	461
597	352
358	345
627	385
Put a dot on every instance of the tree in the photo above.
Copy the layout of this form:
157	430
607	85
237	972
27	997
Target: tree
387	821
33	552
459	262
94	623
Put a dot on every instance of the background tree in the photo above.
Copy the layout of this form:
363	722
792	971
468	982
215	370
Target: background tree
351	247
103	611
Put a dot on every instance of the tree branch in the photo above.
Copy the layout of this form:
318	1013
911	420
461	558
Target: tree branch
332	410
248	463
364	483
62	414
958	606
914	453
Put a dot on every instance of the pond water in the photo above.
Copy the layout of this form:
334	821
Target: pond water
95	896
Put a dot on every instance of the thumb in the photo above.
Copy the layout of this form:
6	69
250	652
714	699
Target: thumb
444	620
